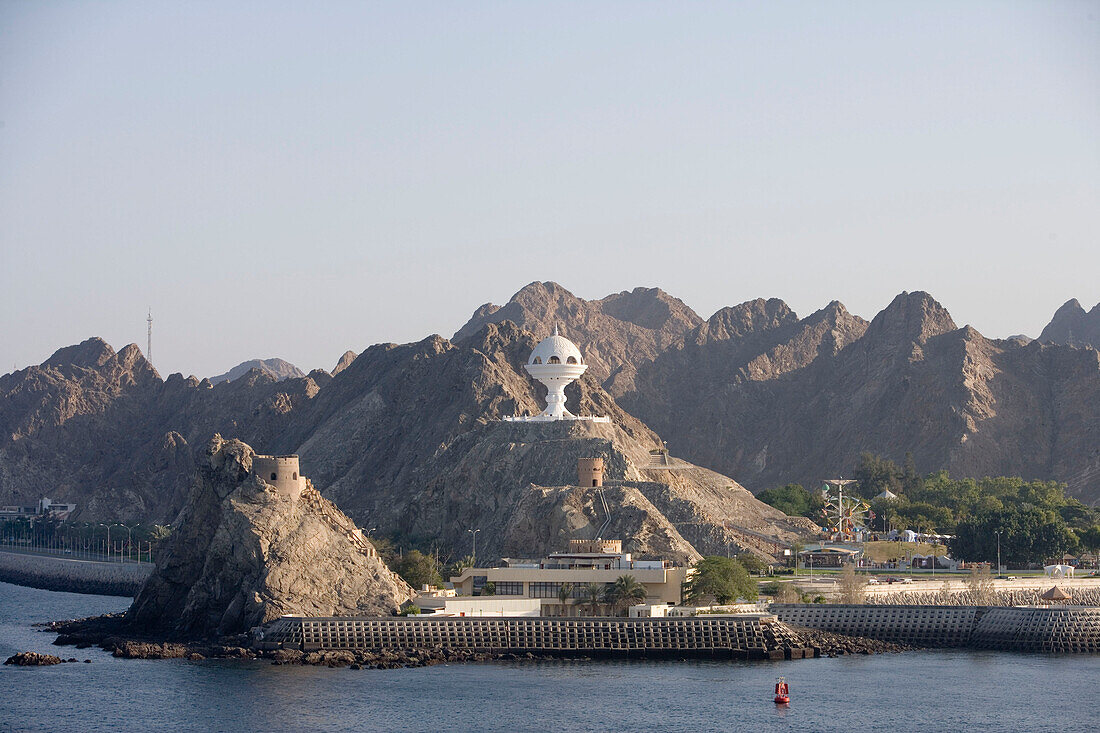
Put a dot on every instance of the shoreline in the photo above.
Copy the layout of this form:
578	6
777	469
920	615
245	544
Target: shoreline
110	633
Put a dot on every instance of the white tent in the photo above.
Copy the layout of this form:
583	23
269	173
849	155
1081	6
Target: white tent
1058	571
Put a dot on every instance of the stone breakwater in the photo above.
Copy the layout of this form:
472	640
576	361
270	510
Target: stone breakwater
745	637
775	641
1054	629
73	576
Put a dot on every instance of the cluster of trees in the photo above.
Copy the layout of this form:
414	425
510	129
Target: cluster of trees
719	580
1035	520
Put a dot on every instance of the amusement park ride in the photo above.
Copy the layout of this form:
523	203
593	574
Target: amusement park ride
844	515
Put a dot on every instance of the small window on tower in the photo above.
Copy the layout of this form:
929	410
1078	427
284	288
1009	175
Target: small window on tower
571	360
554	360
273	476
595	482
538	359
295	476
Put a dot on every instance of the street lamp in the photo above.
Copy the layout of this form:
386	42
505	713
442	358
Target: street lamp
473	552
101	524
998	533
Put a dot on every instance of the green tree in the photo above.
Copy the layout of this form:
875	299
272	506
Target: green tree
594	595
489	589
720	579
565	592
626	591
419	569
751	563
1027	535
793	500
876	474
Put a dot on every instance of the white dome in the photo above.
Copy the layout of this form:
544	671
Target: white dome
556	347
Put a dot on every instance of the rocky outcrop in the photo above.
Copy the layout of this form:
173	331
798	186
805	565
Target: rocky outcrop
615	334
243	553
345	361
276	368
1072	326
754	392
33	659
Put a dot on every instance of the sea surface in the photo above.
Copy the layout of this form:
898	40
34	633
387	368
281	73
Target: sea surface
914	691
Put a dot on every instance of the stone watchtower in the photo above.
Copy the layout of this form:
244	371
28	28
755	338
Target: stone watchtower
589	472
281	472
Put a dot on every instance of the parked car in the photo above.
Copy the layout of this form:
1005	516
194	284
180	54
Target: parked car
872	581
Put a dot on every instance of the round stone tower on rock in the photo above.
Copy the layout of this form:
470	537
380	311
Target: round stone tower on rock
589	472
281	472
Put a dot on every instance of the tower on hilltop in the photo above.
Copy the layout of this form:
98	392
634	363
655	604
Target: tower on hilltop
556	362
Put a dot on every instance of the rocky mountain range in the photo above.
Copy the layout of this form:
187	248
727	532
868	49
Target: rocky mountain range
760	394
275	367
407	438
1072	325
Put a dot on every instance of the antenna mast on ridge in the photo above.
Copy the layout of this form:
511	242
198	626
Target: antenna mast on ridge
149	348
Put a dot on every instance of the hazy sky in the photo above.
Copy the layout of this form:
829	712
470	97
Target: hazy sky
299	179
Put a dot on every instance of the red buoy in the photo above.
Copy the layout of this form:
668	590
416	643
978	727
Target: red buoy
782	694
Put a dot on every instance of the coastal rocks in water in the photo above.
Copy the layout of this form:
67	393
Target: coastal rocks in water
244	553
33	659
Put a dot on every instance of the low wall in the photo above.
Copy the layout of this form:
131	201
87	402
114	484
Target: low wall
926	625
73	576
1066	629
1051	630
733	637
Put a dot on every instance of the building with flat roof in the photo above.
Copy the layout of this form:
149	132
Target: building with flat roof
599	562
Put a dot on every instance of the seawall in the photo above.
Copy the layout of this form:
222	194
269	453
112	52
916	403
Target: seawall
1056	629
73	576
745	637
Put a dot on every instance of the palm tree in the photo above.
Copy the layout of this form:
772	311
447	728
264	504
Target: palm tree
564	592
594	593
627	591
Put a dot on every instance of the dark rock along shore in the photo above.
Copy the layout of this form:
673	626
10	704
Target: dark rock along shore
111	634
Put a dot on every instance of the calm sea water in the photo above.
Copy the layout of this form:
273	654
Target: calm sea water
916	691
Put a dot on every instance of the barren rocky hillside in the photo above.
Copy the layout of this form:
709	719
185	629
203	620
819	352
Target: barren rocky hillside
1073	326
759	394
407	437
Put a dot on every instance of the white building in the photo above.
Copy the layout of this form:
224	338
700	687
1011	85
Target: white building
588	562
556	362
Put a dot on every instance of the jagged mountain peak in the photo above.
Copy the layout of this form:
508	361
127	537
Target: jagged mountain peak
345	360
277	368
90	353
1073	326
740	320
915	317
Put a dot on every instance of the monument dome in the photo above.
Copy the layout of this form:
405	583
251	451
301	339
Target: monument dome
556	362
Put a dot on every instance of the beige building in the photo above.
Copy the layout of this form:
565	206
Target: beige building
587	561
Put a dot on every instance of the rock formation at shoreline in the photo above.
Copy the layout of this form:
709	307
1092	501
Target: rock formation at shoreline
243	554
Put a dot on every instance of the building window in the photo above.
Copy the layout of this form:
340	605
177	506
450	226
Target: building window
509	588
538	359
543	590
571	360
553	360
295	477
273	476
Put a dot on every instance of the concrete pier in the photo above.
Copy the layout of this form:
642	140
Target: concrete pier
1055	629
748	637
